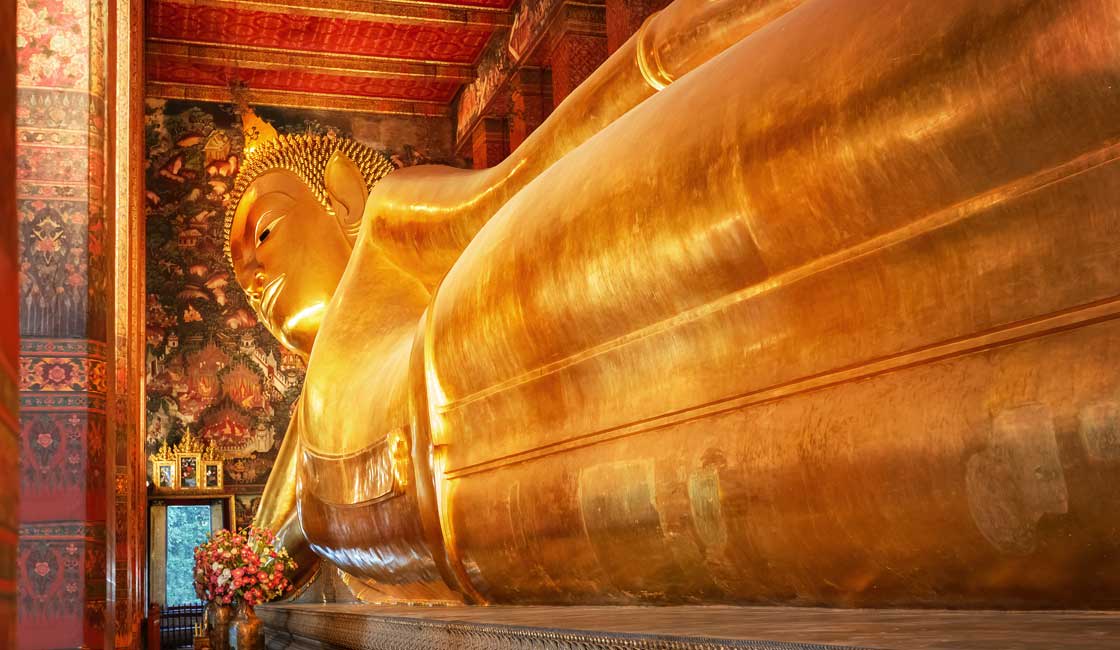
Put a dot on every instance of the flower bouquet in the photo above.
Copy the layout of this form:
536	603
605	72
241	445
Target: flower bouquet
245	567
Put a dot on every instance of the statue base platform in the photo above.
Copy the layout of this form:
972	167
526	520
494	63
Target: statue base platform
371	627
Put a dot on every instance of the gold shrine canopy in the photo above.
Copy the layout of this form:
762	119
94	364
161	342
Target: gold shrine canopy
191	465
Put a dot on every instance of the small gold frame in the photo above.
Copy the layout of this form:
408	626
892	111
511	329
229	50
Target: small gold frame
190	466
211	474
164	474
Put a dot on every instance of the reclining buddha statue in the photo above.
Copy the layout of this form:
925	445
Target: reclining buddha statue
789	302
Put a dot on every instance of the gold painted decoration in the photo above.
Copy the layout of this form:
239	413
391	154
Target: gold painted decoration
218	146
211	475
190	465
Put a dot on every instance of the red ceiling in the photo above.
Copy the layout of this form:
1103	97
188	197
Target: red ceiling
215	30
205	74
315	34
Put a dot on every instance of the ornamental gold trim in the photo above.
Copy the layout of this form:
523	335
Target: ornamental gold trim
270	58
291	99
183	466
406	12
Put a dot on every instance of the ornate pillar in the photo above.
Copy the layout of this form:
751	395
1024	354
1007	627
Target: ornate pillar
127	541
63	316
576	56
490	142
9	331
624	17
531	92
578	41
68	216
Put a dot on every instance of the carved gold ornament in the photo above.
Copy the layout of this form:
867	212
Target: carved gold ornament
190	465
305	155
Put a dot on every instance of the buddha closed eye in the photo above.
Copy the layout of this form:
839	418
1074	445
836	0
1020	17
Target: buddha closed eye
290	232
267	224
288	255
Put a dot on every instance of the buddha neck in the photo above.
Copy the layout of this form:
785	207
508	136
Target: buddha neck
359	362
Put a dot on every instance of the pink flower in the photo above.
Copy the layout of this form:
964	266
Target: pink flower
245	565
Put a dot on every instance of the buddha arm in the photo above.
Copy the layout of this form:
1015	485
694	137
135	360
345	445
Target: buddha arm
279	498
277	510
424	216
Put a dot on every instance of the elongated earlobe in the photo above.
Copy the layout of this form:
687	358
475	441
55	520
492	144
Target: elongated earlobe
346	189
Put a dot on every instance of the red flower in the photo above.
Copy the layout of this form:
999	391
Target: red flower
246	566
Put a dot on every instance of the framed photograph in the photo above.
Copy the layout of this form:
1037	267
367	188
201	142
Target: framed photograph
188	471
212	474
163	472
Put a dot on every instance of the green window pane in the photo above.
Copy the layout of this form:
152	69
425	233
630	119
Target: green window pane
187	527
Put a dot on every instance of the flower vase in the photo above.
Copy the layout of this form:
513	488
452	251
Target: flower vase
218	618
245	631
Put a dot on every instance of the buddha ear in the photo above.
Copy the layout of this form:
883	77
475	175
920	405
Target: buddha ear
346	189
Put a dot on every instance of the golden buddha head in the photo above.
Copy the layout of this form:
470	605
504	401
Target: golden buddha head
291	221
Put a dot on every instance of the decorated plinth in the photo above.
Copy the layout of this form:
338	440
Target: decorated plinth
372	627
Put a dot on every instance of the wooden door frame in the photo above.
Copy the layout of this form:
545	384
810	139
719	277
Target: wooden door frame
157	533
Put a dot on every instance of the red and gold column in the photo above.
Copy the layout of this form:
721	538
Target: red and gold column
579	46
576	56
63	315
68	136
127	542
490	144
624	17
9	332
531	95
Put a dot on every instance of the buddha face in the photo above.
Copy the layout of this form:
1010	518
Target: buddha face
289	254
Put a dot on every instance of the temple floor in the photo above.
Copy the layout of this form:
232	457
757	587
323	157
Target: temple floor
359	626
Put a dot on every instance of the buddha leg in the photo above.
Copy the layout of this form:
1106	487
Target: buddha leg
831	319
277	510
278	502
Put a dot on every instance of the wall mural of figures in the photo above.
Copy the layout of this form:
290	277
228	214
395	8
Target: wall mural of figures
210	365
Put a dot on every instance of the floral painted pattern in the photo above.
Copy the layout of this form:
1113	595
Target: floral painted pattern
59	242
210	365
62	584
51	43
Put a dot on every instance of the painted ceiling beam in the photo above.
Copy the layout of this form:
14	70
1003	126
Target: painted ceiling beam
264	58
383	11
323	101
